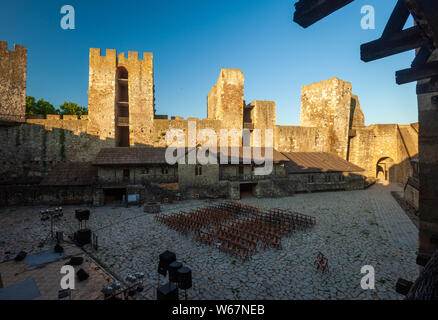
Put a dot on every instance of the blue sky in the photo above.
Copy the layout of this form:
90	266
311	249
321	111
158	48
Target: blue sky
193	39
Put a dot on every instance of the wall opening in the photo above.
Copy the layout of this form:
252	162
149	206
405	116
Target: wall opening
126	175
114	195
123	137
122	108
385	170
247	190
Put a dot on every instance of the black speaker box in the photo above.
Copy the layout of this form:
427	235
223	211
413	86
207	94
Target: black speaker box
83	214
83	237
82	275
184	278
173	271
167	292
20	256
166	258
75	261
58	248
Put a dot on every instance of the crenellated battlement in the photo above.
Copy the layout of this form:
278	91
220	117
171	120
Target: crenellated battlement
66	117
17	48
97	52
115	101
112	53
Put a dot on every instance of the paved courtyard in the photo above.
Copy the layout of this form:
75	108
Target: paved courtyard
354	228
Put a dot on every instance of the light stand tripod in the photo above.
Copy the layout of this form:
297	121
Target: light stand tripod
50	214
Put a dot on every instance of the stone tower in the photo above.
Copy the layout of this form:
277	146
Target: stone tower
225	100
13	66
327	104
121	97
259	115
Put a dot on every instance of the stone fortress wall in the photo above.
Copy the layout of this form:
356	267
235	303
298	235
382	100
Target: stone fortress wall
122	113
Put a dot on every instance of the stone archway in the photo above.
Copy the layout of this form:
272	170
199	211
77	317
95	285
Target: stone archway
384	169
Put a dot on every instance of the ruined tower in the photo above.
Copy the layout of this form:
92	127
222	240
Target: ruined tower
327	104
121	97
13	64
259	115
225	100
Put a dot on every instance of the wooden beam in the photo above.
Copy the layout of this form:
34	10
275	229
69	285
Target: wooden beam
422	56
425	13
426	71
307	12
397	20
405	40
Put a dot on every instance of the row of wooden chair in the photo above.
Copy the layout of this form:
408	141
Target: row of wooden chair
204	237
238	251
236	238
299	219
239	227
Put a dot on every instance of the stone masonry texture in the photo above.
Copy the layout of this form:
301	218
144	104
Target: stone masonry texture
331	119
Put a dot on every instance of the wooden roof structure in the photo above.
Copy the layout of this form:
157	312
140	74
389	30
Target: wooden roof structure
130	156
317	162
423	36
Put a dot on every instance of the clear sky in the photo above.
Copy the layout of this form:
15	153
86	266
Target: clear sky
193	39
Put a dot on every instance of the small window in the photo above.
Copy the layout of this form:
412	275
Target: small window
327	178
310	179
164	170
198	170
126	174
341	177
145	171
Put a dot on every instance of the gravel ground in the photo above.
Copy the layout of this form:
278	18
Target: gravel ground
354	228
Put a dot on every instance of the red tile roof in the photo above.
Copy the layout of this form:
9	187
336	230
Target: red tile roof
256	154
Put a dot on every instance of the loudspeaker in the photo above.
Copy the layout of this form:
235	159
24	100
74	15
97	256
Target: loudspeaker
173	271
403	286
166	258
20	256
82	214
75	261
58	248
82	275
184	278
83	237
168	291
59	236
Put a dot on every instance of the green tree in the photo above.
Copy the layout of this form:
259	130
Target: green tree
73	108
39	107
30	105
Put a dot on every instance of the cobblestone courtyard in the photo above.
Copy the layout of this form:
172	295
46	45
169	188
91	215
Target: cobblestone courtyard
353	229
